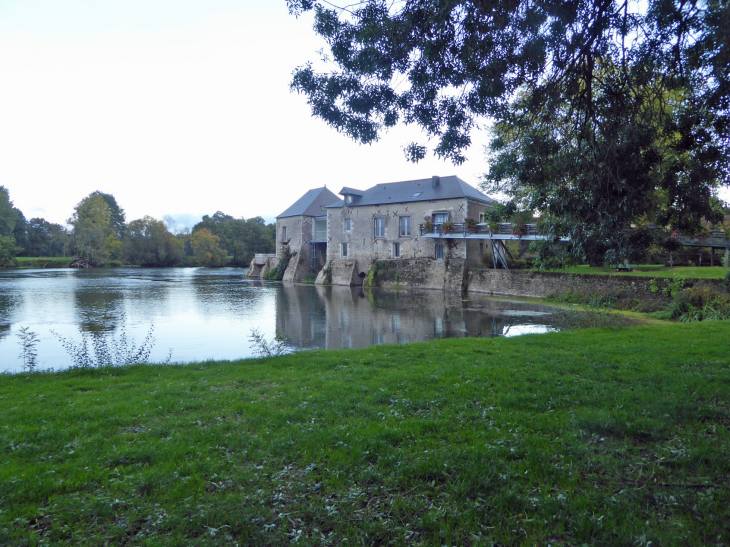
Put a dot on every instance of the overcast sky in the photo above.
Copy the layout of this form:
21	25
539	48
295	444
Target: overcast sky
175	107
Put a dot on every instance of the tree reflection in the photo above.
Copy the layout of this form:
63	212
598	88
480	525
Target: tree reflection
98	311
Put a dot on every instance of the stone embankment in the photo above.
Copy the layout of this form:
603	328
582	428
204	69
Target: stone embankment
425	273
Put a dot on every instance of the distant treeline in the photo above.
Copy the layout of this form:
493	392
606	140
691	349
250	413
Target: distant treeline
99	235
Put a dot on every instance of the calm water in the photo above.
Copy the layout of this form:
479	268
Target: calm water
208	314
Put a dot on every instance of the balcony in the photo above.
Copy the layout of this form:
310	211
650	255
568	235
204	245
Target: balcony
505	230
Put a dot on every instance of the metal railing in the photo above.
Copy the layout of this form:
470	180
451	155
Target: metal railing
504	228
716	239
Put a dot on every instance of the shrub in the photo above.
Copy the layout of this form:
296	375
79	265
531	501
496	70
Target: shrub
28	341
698	304
99	349
447	227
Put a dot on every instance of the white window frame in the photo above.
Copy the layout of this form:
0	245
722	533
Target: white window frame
344	250
401	232
379	221
396	250
481	218
348	224
283	233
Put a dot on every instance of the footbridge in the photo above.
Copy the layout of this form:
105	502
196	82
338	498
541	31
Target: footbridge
496	235
507	231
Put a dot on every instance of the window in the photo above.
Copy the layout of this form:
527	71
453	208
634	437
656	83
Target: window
396	250
481	218
439	251
348	224
320	229
344	250
283	233
405	226
440	218
417	194
379	227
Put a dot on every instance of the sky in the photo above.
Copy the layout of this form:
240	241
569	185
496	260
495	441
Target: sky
177	108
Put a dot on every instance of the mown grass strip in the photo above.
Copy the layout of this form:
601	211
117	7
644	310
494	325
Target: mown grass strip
603	437
656	270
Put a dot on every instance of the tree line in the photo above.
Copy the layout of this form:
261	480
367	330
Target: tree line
98	234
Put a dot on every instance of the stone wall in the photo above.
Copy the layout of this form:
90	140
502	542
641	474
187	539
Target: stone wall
627	290
258	271
299	232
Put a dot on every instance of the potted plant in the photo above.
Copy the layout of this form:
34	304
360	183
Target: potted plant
447	227
519	229
428	223
494	226
470	224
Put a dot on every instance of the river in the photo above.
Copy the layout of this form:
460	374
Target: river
199	314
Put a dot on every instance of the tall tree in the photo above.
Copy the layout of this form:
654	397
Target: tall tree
147	242
12	224
96	240
634	98
239	237
8	213
206	248
46	238
117	216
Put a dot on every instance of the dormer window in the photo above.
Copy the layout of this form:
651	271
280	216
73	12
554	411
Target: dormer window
348	198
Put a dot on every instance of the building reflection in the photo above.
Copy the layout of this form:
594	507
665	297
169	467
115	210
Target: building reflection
335	317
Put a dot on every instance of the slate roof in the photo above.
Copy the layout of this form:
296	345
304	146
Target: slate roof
405	192
311	203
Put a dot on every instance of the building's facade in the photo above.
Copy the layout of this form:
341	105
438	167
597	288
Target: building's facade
384	221
301	231
325	233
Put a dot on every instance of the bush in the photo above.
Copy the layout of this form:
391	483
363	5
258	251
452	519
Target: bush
698	304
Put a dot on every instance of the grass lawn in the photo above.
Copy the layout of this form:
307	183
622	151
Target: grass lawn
598	437
43	261
657	270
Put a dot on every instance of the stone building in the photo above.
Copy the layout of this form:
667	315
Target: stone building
383	222
301	234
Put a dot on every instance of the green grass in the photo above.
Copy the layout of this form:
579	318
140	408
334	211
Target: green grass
43	261
657	270
598	437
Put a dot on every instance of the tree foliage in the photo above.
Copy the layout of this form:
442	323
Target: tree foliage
12	229
46	238
117	216
147	242
607	112
240	238
8	251
206	248
95	238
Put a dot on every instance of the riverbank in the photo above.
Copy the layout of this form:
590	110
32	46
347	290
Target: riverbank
593	436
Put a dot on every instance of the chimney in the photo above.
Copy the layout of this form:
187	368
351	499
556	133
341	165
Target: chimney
435	181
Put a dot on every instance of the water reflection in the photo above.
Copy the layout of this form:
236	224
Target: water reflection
342	317
209	314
